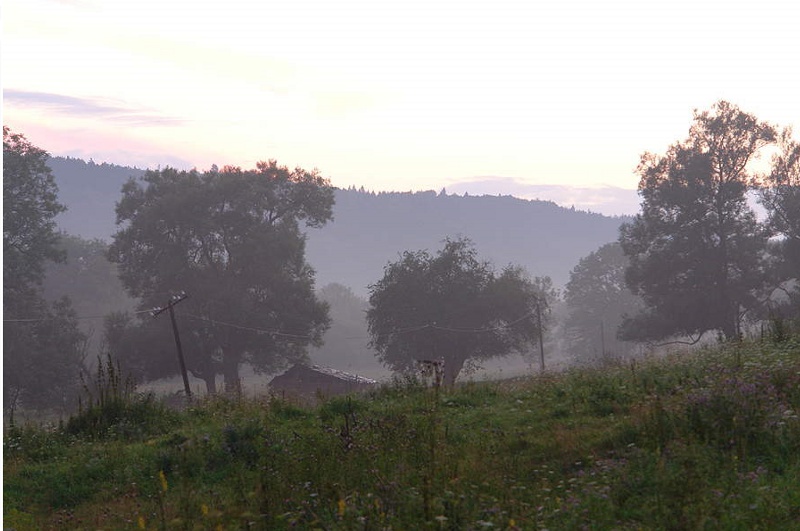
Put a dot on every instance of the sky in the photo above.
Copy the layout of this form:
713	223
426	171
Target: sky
496	96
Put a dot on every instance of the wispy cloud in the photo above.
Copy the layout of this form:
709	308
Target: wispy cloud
89	108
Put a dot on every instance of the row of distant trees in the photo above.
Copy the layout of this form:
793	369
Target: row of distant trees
694	260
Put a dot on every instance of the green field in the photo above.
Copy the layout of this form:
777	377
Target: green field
702	440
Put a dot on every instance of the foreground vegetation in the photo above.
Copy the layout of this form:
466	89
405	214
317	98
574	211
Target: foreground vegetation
703	440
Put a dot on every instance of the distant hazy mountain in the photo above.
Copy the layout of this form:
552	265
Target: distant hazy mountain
369	230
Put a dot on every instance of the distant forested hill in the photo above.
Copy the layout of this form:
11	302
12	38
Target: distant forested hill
369	230
90	192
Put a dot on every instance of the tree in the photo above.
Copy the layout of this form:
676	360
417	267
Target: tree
453	308
695	246
597	298
30	203
43	358
780	195
145	349
42	347
231	240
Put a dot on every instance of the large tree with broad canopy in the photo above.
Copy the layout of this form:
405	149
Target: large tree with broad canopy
453	308
231	240
695	247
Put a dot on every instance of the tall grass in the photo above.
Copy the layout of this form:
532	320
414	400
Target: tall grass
111	407
709	440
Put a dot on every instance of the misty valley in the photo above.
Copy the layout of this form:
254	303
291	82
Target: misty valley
254	348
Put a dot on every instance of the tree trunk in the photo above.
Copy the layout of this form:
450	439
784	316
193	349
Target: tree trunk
209	377
452	367
731	326
211	384
230	373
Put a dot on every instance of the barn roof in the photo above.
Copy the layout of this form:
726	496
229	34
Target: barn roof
343	375
329	372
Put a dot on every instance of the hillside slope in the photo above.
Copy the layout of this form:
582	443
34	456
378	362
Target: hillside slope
370	230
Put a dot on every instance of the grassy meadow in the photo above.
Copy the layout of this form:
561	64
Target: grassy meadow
702	440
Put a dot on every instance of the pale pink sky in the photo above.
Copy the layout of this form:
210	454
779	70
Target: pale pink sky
397	94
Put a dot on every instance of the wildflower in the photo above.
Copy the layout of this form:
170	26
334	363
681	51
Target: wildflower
204	509
142	524
342	507
163	479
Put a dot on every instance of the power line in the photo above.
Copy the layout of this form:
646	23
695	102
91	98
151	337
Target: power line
248	328
410	329
79	318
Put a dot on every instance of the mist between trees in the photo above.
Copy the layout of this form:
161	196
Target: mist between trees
453	283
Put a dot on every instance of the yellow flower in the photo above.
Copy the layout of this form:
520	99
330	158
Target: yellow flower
342	506
163	479
204	509
142	524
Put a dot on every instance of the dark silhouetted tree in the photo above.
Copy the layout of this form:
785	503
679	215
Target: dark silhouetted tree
231	240
779	193
597	298
451	307
30	202
695	246
42	347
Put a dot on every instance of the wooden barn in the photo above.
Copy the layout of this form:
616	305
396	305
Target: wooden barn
311	381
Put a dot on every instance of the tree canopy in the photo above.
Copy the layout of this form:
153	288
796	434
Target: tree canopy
696	245
779	193
231	240
30	202
453	308
42	346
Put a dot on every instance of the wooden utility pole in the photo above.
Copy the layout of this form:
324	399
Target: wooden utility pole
170	307
602	339
541	332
